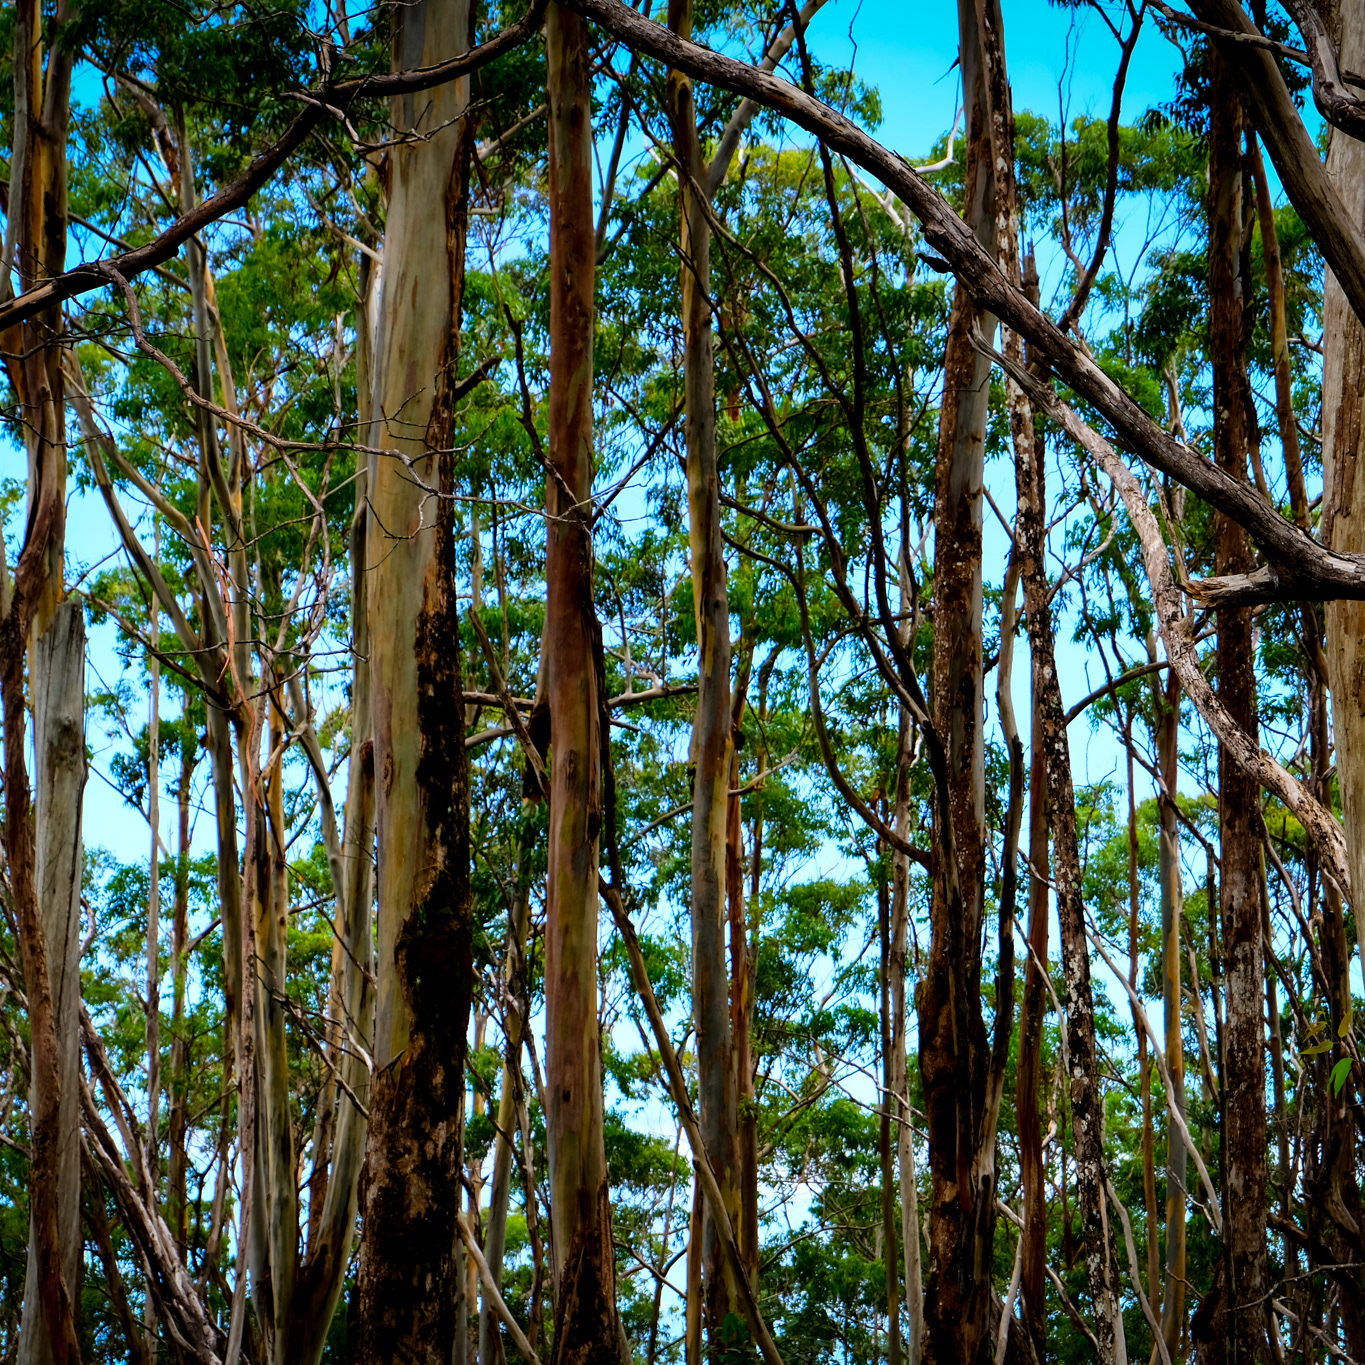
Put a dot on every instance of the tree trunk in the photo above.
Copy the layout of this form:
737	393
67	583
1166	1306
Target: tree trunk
410	1271
899	1080
1028	1096
1343	471
711	750
1172	906
55	634
177	1089
59	767
954	1047
1087	1101
586	1325
514	982
1244	1122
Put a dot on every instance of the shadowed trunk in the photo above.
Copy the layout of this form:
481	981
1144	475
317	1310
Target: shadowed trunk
954	1047
411	1272
1244	1122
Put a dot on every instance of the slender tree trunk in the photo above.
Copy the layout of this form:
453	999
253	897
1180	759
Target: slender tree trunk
899	1081
410	1271
1343	451
886	1139
1154	1281
55	634
1172	907
954	1047
514	978
586	1325
323	1274
741	1016
1029	1098
1029	1077
711	752
1244	1123
1087	1101
177	1089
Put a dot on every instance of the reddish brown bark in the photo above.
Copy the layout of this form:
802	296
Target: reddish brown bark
954	1046
586	1325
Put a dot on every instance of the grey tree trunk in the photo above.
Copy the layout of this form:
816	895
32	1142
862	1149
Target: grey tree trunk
58	675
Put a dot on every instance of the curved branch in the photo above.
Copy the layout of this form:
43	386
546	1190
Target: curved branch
1301	568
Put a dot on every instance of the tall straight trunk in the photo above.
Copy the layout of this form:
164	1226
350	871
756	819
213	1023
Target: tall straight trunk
1028	1093
1343	471
36	244
742	971
323	1273
717	1080
1172	906
276	1218
586	1324
1028	1086
1244	1122
954	1047
177	1086
410	1271
885	1138
514	983
1087	1101
899	1080
1143	1061
59	752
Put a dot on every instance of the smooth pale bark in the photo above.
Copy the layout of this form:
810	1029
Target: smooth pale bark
587	1328
412	1263
60	772
1244	1123
954	1047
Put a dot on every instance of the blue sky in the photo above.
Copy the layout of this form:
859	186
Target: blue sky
907	50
